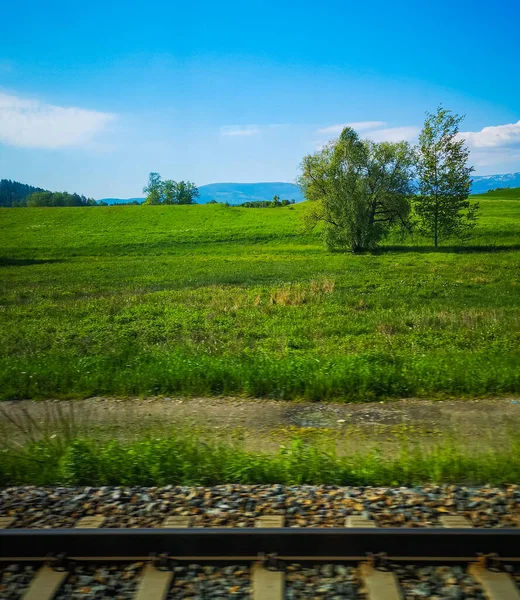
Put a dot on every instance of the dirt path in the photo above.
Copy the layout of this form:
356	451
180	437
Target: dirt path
264	424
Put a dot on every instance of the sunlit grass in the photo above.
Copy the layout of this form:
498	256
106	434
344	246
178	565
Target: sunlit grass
213	300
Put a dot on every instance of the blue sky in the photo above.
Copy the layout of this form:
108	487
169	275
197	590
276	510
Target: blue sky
94	96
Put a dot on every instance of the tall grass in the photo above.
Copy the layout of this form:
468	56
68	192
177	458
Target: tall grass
188	460
365	376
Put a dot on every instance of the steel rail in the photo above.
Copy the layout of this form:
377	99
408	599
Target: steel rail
248	543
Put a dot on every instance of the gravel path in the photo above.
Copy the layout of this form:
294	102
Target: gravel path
239	506
437	583
15	580
93	582
334	582
198	582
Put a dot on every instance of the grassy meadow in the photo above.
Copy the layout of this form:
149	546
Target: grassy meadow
209	300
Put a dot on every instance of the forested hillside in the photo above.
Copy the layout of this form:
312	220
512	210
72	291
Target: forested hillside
14	193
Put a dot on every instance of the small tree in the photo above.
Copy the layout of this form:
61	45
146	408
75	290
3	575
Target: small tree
442	203
154	189
358	190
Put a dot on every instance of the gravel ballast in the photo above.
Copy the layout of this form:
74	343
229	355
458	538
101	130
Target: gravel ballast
15	580
199	582
94	582
331	581
239	505
437	583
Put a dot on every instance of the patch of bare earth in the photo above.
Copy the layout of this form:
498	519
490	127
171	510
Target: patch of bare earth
264	424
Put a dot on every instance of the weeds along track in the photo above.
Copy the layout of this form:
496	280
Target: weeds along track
268	561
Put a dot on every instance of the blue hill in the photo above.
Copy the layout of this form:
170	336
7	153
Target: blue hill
236	193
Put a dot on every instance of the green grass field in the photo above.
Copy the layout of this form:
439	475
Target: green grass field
503	194
211	300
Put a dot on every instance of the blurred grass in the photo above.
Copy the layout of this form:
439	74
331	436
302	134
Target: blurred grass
185	459
208	300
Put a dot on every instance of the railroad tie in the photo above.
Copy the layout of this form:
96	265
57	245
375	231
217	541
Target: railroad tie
497	585
45	584
155	582
267	584
92	522
176	522
47	580
379	585
358	521
455	521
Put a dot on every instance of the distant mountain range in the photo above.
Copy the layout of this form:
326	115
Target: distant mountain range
238	193
483	183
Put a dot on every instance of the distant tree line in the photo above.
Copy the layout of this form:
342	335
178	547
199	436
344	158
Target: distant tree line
169	191
15	194
274	203
60	199
360	190
129	203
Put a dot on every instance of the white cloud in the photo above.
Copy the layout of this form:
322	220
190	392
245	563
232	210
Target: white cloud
33	124
394	134
496	147
495	136
358	126
506	159
234	130
376	131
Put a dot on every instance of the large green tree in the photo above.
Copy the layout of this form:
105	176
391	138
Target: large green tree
358	189
182	192
186	192
169	191
154	189
444	179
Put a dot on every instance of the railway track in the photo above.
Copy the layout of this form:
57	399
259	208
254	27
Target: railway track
268	562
